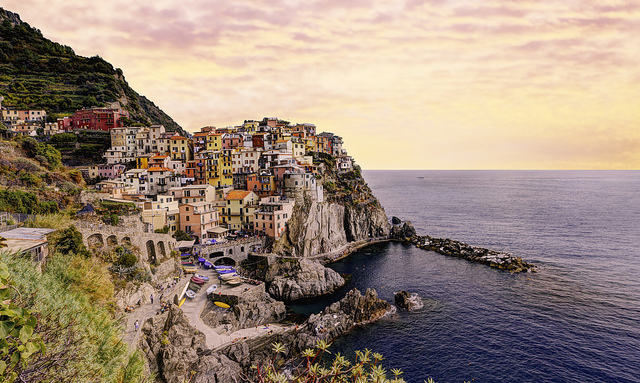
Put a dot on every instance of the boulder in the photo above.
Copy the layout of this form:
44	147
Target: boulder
402	300
250	311
305	279
395	220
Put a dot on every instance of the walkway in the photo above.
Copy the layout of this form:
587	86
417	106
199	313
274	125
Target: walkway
146	311
216	338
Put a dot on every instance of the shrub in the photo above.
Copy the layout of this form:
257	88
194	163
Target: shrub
127	260
180	235
164	230
69	240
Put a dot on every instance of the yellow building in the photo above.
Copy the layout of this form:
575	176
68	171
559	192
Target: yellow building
238	212
214	141
181	148
226	167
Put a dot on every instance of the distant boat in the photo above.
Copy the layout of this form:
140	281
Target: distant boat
203	277
211	289
421	178
221	304
229	276
235	281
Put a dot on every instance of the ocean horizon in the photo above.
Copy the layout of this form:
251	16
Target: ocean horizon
574	320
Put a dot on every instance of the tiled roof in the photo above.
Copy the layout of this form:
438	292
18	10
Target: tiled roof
158	169
237	194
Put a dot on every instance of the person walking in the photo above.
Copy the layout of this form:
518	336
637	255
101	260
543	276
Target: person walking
151	298
136	325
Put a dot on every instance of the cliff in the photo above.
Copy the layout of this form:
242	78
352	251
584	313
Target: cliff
349	213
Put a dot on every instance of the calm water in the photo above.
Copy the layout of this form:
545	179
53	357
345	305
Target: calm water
576	320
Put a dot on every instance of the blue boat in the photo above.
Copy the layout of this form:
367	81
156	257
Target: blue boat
201	260
223	267
208	265
226	271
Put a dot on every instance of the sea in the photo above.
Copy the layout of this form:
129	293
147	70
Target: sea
577	319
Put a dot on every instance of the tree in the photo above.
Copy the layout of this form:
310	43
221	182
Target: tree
182	236
70	241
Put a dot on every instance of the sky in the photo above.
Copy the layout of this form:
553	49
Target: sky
408	84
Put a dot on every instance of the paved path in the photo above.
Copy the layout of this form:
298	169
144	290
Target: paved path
215	337
146	311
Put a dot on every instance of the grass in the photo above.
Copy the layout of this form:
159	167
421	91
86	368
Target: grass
71	299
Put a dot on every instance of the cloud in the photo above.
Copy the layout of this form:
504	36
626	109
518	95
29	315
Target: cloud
518	77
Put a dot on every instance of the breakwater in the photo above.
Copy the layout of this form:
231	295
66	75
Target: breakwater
498	259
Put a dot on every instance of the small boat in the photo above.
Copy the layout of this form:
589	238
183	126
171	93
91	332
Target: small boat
190	294
229	271
211	289
194	286
189	269
221	304
226	277
197	281
222	267
235	281
203	277
201	260
208	265
186	262
182	302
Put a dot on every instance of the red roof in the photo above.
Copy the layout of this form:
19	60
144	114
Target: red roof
238	194
158	169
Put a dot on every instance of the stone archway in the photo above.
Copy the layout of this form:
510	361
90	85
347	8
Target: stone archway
226	261
112	240
95	241
216	254
151	252
126	241
161	250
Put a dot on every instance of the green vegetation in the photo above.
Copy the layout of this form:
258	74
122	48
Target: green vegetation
46	154
366	368
68	241
17	339
92	145
180	235
71	300
38	73
164	230
16	201
118	208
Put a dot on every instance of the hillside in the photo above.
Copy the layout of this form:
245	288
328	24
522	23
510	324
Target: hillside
36	72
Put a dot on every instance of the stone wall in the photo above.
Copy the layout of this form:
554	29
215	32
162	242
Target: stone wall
131	232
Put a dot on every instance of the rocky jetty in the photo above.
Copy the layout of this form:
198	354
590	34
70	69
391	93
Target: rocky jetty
302	279
453	248
248	311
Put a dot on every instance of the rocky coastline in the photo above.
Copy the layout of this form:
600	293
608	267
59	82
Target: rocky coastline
405	232
177	352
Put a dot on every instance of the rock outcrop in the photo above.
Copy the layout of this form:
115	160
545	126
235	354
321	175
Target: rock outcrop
304	279
402	232
323	227
173	348
402	299
248	312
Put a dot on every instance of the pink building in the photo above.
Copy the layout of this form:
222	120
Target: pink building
272	215
199	219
